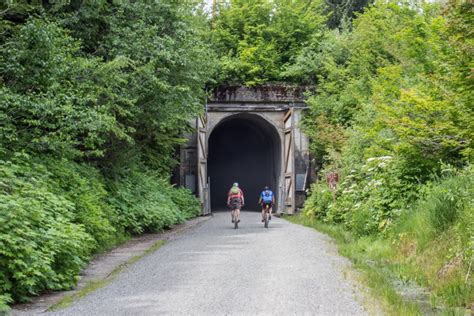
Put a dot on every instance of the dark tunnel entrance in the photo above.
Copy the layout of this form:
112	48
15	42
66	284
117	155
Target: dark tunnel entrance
244	148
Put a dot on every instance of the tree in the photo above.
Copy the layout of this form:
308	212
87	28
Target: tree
257	40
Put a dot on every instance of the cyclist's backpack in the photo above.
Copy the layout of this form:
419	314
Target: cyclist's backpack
235	192
267	196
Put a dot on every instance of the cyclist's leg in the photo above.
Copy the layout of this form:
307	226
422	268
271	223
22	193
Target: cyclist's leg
270	210
263	212
237	210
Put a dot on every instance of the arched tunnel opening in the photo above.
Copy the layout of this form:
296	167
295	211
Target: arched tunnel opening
243	148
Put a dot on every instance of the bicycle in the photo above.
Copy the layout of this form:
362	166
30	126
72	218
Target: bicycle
266	216
235	220
234	205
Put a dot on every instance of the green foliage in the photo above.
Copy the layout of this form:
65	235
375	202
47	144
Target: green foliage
257	40
369	199
186	202
55	213
170	64
398	98
41	246
444	203
54	101
129	80
386	90
318	203
321	57
5	300
448	201
143	204
89	90
391	111
341	12
84	186
328	142
440	230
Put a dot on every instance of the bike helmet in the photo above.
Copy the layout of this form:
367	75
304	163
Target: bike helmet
265	188
236	184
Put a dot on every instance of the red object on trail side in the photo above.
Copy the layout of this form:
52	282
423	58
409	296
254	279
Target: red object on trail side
332	178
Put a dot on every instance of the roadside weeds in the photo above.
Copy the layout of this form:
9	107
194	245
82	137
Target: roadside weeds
394	296
382	296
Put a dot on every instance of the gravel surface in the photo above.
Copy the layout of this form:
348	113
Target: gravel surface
214	269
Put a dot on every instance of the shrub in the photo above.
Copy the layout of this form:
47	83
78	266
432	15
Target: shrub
186	202
4	301
84	186
369	198
55	213
144	202
319	201
40	246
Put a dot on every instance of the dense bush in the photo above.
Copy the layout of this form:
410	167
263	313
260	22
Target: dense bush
319	202
55	101
144	203
54	214
188	205
379	97
84	186
393	117
42	245
369	199
88	92
81	82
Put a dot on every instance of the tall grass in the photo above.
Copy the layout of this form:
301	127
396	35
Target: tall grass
437	237
429	246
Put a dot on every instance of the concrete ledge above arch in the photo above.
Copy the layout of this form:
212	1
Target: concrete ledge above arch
269	93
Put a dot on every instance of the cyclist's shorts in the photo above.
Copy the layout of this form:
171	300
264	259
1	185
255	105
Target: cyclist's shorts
264	204
236	203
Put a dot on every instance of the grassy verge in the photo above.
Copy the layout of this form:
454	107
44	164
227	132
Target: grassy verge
393	279
98	284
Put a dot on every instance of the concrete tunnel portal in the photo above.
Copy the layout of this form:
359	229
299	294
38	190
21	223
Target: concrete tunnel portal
243	148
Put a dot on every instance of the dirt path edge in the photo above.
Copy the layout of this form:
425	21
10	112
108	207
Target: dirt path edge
104	265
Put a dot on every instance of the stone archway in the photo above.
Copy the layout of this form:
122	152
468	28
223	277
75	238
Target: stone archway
243	148
268	119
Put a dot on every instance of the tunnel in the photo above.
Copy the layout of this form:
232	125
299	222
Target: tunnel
243	148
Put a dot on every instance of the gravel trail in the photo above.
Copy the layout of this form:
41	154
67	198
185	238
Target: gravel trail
213	269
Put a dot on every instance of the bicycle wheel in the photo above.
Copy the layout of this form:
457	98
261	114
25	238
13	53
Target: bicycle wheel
234	219
265	221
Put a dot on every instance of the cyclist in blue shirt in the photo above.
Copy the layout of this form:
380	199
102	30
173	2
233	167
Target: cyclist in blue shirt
266	198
